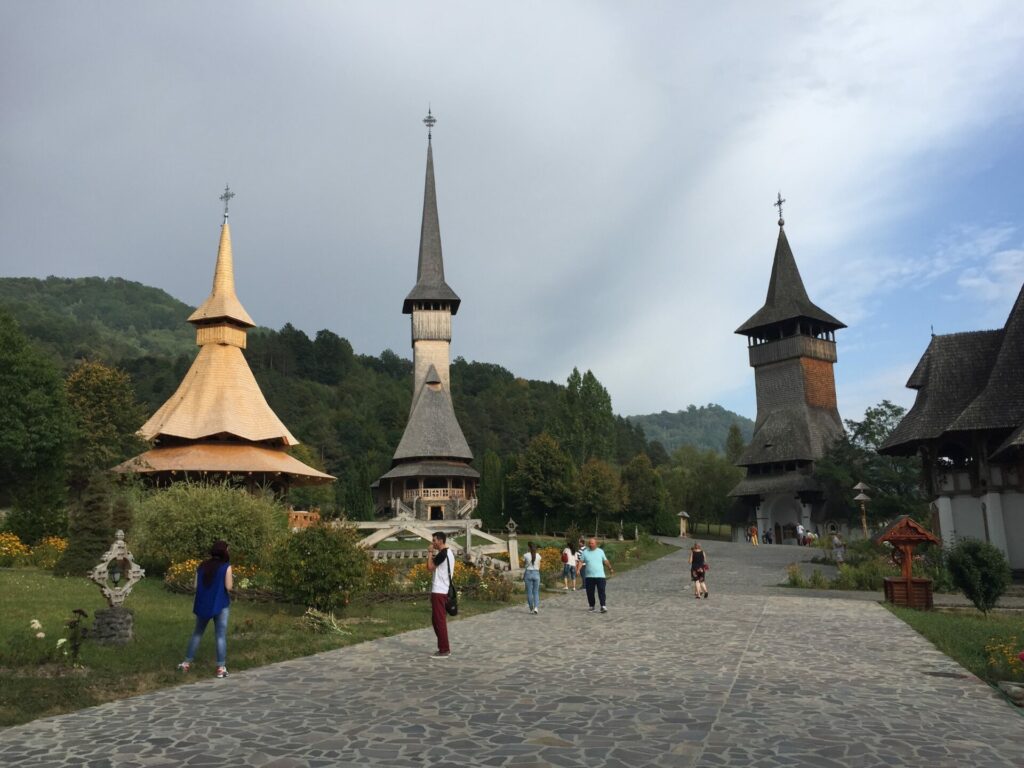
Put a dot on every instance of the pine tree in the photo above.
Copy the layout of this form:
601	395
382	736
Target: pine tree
90	529
734	443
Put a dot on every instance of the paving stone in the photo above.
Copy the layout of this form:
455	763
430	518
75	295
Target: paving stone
755	676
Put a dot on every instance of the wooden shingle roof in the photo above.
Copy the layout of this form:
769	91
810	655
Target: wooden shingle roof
222	303
219	395
787	298
967	382
430	284
792	433
221	458
433	432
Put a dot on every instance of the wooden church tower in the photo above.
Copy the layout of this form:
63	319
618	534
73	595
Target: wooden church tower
430	476
218	424
792	349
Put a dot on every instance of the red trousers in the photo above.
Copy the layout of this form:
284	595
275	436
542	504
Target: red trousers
438	602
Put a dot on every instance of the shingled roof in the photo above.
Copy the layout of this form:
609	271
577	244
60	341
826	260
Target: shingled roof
223	303
430	284
951	373
789	482
433	432
787	298
793	433
1000	405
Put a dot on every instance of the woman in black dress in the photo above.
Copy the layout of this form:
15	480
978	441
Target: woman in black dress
698	566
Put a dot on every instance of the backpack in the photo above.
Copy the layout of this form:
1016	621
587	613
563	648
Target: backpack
451	607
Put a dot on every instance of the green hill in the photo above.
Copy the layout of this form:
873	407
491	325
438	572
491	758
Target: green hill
100	319
705	427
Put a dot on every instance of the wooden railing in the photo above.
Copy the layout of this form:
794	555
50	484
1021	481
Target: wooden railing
434	493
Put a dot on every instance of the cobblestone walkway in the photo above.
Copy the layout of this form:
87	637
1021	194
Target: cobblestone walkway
749	677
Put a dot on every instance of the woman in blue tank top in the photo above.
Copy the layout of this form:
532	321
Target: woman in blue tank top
213	581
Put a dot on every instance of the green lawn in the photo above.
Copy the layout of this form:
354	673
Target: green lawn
257	634
963	636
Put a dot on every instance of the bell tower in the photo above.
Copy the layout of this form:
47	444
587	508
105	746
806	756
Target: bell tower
431	302
792	348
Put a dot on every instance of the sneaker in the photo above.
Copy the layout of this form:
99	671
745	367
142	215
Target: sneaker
565	589
536	611
222	671
441	654
603	609
590	610
705	595
574	589
185	666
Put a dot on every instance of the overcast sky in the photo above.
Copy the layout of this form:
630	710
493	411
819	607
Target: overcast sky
605	171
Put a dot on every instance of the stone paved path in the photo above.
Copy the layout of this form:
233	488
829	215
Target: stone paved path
750	677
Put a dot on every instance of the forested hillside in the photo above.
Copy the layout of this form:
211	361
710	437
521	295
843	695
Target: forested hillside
549	453
705	427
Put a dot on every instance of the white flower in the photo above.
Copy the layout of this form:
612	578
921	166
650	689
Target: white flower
34	624
61	641
40	635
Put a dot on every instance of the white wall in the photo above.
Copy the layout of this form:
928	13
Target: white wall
1013	521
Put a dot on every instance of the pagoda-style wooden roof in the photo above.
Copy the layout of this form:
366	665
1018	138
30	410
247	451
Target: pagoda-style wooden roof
224	458
797	432
430	285
787	298
222	303
218	396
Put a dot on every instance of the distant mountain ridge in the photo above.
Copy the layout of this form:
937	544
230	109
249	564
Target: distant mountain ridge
705	426
98	318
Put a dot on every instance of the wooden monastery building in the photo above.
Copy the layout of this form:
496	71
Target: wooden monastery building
792	349
430	476
967	424
218	424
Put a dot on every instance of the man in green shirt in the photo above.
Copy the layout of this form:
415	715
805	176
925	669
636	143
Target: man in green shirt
594	561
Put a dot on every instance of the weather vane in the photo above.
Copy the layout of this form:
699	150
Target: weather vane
429	121
226	197
778	204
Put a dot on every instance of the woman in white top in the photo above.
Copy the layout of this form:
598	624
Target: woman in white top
569	566
531	575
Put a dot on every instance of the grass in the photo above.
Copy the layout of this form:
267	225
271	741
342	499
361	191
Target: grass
964	635
258	634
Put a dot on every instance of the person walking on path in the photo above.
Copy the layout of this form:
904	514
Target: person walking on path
531	575
569	566
581	567
801	534
594	561
698	567
440	562
753	535
213	582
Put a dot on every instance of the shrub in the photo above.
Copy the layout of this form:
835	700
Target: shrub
381	576
180	523
181	577
1003	660
493	587
11	550
980	571
932	564
418	578
818	580
321	567
47	552
869	575
794	576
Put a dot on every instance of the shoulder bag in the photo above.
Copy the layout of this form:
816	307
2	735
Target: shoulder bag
452	606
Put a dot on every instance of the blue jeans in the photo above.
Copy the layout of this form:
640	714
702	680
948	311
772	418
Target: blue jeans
532	579
220	628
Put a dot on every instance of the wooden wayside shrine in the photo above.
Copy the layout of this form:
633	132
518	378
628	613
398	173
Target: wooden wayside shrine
905	533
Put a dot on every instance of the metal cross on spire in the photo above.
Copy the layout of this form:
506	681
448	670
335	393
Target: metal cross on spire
429	121
226	197
778	204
